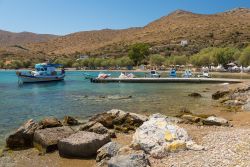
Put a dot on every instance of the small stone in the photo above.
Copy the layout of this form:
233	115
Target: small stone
218	121
50	122
131	160
191	118
195	95
193	146
68	120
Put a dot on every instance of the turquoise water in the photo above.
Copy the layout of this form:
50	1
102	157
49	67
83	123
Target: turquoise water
78	97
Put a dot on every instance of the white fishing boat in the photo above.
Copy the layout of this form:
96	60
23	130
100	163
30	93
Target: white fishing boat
187	74
154	74
103	75
126	75
204	74
43	73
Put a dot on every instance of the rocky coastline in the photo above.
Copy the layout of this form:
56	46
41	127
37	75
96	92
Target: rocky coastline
117	138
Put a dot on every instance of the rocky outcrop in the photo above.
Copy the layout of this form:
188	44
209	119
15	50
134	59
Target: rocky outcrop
50	122
119	120
46	139
106	152
23	137
68	120
157	137
218	121
82	144
219	94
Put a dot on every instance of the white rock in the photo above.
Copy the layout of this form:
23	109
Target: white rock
157	136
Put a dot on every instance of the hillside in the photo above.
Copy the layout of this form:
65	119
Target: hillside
231	28
9	38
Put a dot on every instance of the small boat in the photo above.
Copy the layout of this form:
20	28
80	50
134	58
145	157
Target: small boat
204	74
172	73
125	75
154	74
187	74
103	75
89	76
43	73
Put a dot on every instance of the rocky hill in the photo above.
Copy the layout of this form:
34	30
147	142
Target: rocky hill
230	28
9	38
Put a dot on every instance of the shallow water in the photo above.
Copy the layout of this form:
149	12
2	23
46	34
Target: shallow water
78	97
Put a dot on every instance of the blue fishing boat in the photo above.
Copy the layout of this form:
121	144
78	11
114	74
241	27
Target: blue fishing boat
43	72
172	73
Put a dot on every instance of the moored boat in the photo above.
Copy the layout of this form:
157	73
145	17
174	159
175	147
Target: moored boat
172	73
43	72
126	75
154	74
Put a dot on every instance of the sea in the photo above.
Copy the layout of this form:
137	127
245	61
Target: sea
78	97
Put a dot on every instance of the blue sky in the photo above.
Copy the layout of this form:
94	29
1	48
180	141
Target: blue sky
67	16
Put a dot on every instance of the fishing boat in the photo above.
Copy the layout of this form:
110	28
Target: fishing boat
89	76
125	75
43	72
154	74
103	75
204	74
187	74
172	73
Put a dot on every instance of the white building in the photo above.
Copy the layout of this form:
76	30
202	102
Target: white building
184	42
82	57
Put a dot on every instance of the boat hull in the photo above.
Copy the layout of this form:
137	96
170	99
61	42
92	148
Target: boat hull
34	79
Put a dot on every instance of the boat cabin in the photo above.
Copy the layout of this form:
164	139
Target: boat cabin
46	69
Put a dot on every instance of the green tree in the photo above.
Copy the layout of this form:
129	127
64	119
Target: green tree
27	63
15	64
1	64
156	59
124	61
138	52
245	57
180	60
66	62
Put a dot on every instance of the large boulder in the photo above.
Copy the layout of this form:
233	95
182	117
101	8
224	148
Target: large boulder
120	120
82	144
106	152
50	122
218	121
157	137
23	137
130	160
46	139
